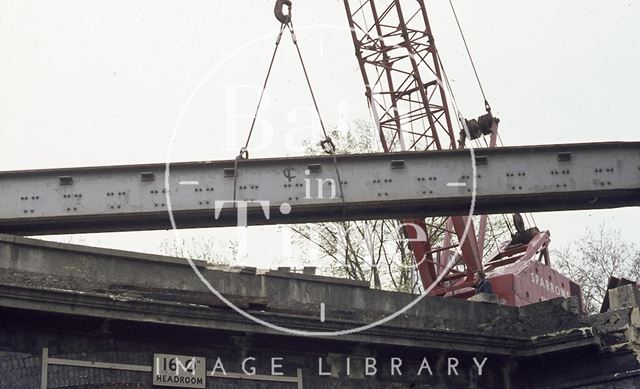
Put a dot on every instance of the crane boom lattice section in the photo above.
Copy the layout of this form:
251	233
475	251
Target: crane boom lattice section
398	61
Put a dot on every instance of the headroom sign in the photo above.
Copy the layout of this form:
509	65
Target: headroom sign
179	371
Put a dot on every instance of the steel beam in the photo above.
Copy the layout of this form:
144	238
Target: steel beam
391	185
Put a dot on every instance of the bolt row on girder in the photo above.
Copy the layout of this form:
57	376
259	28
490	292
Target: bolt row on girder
305	189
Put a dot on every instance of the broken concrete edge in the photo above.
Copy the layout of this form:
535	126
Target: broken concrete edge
485	298
625	296
79	269
354	304
316	278
105	307
165	259
273	294
128	255
591	382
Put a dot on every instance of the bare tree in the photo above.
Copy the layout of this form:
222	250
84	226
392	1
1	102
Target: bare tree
204	249
595	257
374	251
371	250
498	231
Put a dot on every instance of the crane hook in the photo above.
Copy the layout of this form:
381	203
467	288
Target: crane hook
327	145
279	11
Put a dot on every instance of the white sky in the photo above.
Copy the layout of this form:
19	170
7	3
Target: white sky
98	82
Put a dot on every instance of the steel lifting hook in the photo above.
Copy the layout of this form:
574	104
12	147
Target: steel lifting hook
328	146
279	11
243	154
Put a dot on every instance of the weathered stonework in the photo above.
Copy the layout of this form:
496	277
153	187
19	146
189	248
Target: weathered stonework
117	307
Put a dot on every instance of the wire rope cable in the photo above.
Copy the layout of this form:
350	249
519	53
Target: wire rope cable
327	144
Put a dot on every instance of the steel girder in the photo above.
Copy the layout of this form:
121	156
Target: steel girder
304	189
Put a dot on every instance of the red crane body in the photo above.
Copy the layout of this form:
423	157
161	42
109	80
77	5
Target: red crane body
404	85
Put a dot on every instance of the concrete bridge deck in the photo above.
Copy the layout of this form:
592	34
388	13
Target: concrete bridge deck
123	306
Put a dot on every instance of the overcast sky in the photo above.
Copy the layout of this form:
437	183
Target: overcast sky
98	82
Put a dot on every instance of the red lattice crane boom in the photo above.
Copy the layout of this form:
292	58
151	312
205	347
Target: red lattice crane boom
403	81
405	88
